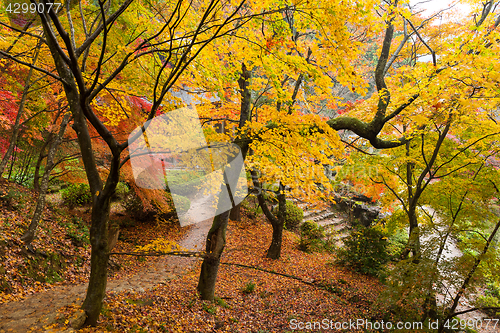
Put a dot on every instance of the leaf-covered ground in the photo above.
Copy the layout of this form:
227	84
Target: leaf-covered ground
248	300
61	248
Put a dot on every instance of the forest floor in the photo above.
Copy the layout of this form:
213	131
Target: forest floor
43	291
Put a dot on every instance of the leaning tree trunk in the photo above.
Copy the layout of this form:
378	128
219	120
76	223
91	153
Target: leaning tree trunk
245	115
48	142
29	235
216	241
41	156
216	238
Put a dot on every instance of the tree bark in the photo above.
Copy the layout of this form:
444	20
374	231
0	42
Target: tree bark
274	251
216	241
216	238
235	214
43	154
96	289
99	254
100	207
414	231
245	115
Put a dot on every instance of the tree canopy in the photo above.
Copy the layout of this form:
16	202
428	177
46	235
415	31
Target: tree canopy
306	89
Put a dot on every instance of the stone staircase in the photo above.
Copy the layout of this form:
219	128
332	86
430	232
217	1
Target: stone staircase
336	226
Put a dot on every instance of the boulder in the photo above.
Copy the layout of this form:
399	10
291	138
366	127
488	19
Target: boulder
358	209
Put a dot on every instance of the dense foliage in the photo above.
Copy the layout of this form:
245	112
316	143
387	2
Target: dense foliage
76	195
365	250
294	215
369	101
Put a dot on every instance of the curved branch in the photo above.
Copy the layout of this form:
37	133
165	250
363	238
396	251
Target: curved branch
365	130
97	31
7	55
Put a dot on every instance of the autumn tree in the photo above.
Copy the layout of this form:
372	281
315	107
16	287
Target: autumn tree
109	55
275	126
449	164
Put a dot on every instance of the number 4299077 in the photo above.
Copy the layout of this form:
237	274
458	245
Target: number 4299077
17	8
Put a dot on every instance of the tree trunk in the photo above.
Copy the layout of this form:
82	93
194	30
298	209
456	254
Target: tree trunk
29	235
43	154
100	201
245	115
36	175
216	241
414	232
274	251
216	238
235	214
99	254
98	260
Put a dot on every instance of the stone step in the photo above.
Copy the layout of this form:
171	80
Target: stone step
331	222
320	217
310	214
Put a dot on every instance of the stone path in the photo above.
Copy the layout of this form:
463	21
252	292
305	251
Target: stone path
336	225
38	310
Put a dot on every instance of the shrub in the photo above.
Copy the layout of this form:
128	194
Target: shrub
397	243
294	215
183	182
312	230
487	302
491	298
249	288
77	231
121	191
312	238
164	208
365	251
14	199
76	195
